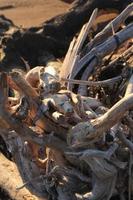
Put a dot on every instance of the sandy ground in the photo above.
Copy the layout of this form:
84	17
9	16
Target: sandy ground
28	13
11	180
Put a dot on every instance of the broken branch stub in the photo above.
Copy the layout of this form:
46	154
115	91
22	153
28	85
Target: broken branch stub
97	127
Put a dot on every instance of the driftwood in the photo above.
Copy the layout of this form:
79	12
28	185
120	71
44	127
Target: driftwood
65	145
93	58
38	44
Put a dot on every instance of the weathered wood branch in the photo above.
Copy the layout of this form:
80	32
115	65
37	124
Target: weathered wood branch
72	55
107	31
24	86
129	89
7	121
104	83
44	121
113	116
76	66
88	131
125	56
101	51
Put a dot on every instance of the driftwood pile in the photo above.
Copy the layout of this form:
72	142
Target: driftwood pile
69	128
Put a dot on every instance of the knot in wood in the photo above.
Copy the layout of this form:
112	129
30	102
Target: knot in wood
79	133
